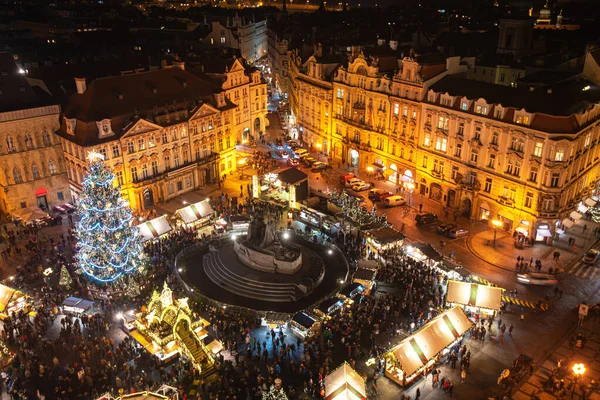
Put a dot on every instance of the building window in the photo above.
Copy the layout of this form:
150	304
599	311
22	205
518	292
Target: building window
522	119
165	138
396	108
517	144
441	144
477	135
424	161
427	140
481	109
144	171
154	166
35	171
559	155
176	159
537	150
17	175
513	194
555	180
130	148
116	150
141	144
533	174
179	186
405	111
474	155
10	145
443	123
228	142
340	94
438	166
463	106
513	168
119	175
23	204
492	163
167	163
151	142
46	139
188	181
455	172
171	188
134	175
28	142
529	199
102	151
52	167
488	185
458	150
197	153
220	144
60	196
461	129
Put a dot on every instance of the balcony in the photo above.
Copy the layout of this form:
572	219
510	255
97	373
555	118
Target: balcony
358	106
506	201
437	174
548	214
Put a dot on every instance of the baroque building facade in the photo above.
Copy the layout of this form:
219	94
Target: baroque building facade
164	132
31	160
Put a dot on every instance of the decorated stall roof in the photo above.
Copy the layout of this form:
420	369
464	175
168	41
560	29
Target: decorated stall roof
473	294
352	289
345	383
416	350
154	229
387	235
304	320
328	304
196	211
428	251
364	274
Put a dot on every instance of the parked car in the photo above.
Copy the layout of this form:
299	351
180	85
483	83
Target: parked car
444	228
457	233
284	155
292	162
378	194
591	257
345	177
361	186
537	279
318	166
394	201
425	218
351	182
299	152
308	161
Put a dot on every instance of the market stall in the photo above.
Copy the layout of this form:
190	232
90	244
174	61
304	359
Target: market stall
239	224
197	214
420	351
352	290
29	216
328	306
75	305
286	187
11	300
304	325
365	274
344	383
385	239
154	229
480	299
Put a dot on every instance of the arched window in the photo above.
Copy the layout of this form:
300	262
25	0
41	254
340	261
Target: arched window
10	144
35	171
52	167
17	175
46	138
28	141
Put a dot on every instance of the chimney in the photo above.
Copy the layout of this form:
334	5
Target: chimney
549	91
81	85
179	64
394	45
380	42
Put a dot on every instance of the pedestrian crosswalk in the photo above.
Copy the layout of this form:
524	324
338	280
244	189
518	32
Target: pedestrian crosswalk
586	271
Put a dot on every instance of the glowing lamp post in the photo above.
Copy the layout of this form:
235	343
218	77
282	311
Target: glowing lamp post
496	224
319	148
578	370
241	166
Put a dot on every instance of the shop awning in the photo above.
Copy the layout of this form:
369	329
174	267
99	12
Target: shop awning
544	233
473	294
304	320
344	383
591	202
568	223
378	165
575	215
582	208
428	251
364	274
522	230
154	229
196	211
6	294
416	350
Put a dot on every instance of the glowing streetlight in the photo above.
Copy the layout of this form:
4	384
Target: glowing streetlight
329	251
241	166
578	370
496	224
286	235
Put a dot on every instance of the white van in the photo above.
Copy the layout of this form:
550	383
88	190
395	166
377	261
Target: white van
394	201
298	153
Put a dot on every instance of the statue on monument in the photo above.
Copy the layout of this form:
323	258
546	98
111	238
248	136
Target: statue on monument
270	235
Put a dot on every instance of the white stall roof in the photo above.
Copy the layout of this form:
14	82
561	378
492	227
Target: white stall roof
154	228
473	294
345	384
194	212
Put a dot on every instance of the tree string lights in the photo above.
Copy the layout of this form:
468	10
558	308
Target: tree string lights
108	245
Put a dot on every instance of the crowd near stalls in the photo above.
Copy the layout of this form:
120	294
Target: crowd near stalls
286	187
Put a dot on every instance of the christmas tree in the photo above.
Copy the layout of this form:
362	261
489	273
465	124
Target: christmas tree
65	279
108	246
276	392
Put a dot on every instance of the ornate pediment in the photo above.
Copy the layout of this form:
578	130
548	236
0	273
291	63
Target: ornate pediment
204	111
140	127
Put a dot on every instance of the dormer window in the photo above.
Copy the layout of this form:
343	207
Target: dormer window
446	101
430	97
498	112
481	109
522	118
464	106
70	125
104	128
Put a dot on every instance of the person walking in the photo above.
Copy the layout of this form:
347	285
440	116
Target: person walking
418	394
463	375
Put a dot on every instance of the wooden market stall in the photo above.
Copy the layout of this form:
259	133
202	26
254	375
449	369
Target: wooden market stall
344	383
328	306
304	325
480	299
420	351
365	274
197	214
384	239
154	229
352	290
11	300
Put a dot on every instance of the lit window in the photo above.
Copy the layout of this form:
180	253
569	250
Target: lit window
441	144
537	151
560	155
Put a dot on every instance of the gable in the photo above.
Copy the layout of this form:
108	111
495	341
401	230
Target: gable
237	66
203	111
141	126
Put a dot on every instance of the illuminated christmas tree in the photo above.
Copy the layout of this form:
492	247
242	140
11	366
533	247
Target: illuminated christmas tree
108	246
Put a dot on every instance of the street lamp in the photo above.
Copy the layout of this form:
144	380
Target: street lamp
241	166
496	224
370	170
578	370
319	147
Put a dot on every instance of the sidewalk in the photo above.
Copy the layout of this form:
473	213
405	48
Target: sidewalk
588	355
